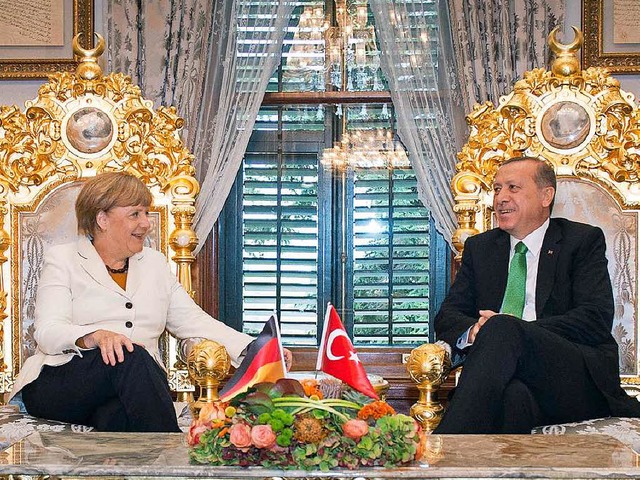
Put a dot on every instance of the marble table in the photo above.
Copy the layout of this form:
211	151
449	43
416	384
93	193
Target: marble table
71	455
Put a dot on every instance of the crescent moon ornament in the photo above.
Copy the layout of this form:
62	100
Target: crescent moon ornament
88	53
332	337
88	69
558	47
566	62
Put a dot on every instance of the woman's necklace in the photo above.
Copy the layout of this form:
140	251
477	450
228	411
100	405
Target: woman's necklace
119	270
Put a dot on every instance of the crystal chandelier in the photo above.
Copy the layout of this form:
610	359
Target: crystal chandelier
353	60
360	149
350	47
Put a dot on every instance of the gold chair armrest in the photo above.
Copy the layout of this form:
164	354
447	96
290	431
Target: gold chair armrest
428	366
208	364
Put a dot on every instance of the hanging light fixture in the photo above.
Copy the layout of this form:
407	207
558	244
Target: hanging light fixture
349	50
305	59
350	44
360	149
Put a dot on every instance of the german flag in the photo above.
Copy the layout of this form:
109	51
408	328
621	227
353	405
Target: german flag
263	362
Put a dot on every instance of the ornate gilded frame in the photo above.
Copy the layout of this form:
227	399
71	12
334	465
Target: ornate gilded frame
593	52
83	16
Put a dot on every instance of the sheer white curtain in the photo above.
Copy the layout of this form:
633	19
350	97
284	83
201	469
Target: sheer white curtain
245	50
163	45
212	60
412	62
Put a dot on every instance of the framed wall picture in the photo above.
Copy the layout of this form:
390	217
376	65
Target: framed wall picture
36	36
611	35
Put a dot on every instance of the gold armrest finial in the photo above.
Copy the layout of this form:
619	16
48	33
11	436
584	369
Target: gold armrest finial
208	364
428	366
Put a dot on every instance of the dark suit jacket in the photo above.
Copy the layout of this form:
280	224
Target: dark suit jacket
574	298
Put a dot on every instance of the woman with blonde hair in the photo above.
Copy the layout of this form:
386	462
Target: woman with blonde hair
101	306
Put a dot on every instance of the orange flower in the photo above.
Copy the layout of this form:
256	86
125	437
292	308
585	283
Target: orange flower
308	429
375	410
212	411
311	387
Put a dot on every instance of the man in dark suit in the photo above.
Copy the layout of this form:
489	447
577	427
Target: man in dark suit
531	312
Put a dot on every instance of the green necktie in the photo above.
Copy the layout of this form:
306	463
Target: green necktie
513	302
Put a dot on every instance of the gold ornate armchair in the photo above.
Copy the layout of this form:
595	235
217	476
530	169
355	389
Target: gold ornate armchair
82	124
589	130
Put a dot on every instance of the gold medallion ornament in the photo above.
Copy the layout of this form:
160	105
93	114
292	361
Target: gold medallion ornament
89	130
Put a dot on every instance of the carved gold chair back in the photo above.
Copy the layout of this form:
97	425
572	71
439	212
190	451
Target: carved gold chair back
582	123
80	125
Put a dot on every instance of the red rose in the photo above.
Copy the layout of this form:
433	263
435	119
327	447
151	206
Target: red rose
240	435
262	436
355	429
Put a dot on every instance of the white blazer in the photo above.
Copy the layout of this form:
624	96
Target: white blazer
76	296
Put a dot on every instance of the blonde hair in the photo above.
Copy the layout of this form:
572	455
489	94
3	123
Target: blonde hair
106	191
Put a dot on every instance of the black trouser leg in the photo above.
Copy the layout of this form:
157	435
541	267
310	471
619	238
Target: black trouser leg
110	417
86	391
520	410
551	367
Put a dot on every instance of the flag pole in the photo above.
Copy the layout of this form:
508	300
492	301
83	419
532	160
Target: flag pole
323	339
284	364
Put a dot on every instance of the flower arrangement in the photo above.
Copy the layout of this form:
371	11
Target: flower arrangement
278	425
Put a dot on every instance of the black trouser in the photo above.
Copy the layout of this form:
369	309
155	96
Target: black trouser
518	375
132	396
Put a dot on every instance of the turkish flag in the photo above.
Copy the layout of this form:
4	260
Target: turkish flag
337	356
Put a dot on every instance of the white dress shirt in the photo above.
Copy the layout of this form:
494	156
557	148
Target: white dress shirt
533	241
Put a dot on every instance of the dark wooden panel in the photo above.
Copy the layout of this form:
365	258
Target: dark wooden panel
204	272
386	362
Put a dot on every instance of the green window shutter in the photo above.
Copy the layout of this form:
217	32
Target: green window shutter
391	258
280	243
284	226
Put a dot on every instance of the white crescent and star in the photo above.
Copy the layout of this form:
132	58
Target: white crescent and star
353	356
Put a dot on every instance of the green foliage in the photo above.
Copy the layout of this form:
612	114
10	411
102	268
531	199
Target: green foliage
211	447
